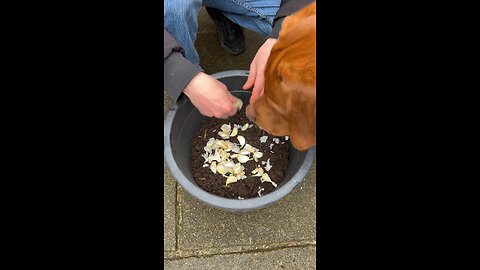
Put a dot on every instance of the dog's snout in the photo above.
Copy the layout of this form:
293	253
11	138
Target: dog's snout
250	112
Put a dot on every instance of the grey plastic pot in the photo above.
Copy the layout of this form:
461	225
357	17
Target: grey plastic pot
183	121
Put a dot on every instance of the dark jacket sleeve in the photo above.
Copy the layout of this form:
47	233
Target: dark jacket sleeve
287	7
178	72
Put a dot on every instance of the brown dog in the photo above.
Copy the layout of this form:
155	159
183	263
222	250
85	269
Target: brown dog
288	103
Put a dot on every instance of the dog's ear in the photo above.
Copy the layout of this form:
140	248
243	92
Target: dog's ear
301	114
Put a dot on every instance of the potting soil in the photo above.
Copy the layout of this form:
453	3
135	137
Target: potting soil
250	187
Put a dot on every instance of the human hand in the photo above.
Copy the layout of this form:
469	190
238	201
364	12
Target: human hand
210	96
256	77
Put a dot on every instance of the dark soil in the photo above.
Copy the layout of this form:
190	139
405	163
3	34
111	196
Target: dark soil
250	186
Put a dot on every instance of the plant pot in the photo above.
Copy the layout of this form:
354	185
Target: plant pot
184	120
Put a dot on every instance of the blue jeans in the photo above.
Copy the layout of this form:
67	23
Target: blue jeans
181	18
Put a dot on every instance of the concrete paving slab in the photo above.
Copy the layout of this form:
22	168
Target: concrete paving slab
290	220
205	23
213	58
169	214
288	258
169	194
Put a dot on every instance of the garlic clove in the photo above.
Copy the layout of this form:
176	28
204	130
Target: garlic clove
236	149
231	179
266	178
244	152
224	135
221	169
229	165
213	167
258	154
258	172
249	148
223	155
242	158
217	156
245	127
223	144
210	144
234	132
241	139
226	128
239	104
230	146
237	170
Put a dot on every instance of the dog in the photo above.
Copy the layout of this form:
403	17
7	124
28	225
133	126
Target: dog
287	106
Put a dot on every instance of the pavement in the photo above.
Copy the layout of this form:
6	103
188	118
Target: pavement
197	236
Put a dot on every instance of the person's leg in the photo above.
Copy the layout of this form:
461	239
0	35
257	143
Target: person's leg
255	15
181	21
230	34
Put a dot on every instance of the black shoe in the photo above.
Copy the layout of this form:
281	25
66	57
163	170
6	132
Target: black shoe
230	35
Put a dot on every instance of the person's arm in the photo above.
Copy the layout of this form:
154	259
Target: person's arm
207	94
178	72
256	77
